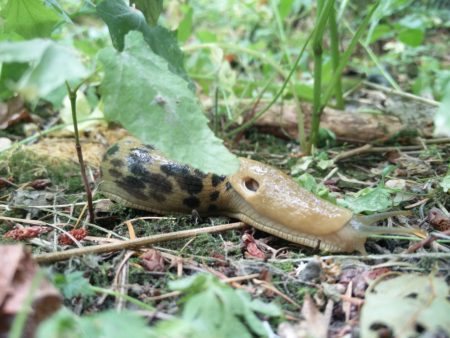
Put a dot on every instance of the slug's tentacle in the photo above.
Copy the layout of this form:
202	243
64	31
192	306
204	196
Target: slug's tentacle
363	224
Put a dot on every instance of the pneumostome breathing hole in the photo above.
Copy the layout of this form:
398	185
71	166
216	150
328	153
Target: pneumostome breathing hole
251	184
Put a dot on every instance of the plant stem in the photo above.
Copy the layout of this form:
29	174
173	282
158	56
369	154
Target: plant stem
73	105
346	55
334	45
117	294
318	52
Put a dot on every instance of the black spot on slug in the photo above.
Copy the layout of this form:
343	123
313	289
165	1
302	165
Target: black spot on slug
115	173
228	186
212	208
149	146
190	183
192	202
188	179
174	169
216	179
132	186
131	182
157	183
138	158
112	150
214	196
117	162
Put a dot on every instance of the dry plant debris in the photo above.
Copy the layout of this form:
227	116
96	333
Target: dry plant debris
17	275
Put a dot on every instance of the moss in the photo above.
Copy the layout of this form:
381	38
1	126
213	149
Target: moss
24	166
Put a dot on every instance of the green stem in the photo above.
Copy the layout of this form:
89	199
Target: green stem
322	12
334	46
73	105
121	295
346	55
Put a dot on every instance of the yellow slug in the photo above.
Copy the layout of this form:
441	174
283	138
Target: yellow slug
140	177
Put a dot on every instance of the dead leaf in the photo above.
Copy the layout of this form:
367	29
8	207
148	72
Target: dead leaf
78	234
438	220
40	183
251	248
407	306
23	233
314	323
152	260
28	197
13	112
17	271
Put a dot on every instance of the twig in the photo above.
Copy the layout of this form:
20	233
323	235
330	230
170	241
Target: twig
402	94
425	242
353	152
73	105
368	148
133	244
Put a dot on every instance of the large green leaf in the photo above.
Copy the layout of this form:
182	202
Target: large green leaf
158	107
29	18
150	8
50	65
122	19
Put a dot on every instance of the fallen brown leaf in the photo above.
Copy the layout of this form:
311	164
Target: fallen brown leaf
78	234
251	248
438	220
314	323
17	272
152	260
23	233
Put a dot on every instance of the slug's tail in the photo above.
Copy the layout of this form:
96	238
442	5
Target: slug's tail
363	224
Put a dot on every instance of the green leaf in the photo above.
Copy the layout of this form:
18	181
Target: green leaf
10	73
372	200
285	8
114	324
62	324
158	107
109	324
50	65
185	27
150	8
72	284
442	117
411	37
308	182
122	19
217	310
29	18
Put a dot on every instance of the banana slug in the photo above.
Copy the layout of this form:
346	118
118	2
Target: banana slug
140	177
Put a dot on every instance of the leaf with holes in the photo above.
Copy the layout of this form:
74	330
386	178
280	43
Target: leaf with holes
405	306
158	107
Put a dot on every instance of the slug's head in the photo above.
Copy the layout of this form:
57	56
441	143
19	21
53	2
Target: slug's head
274	201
